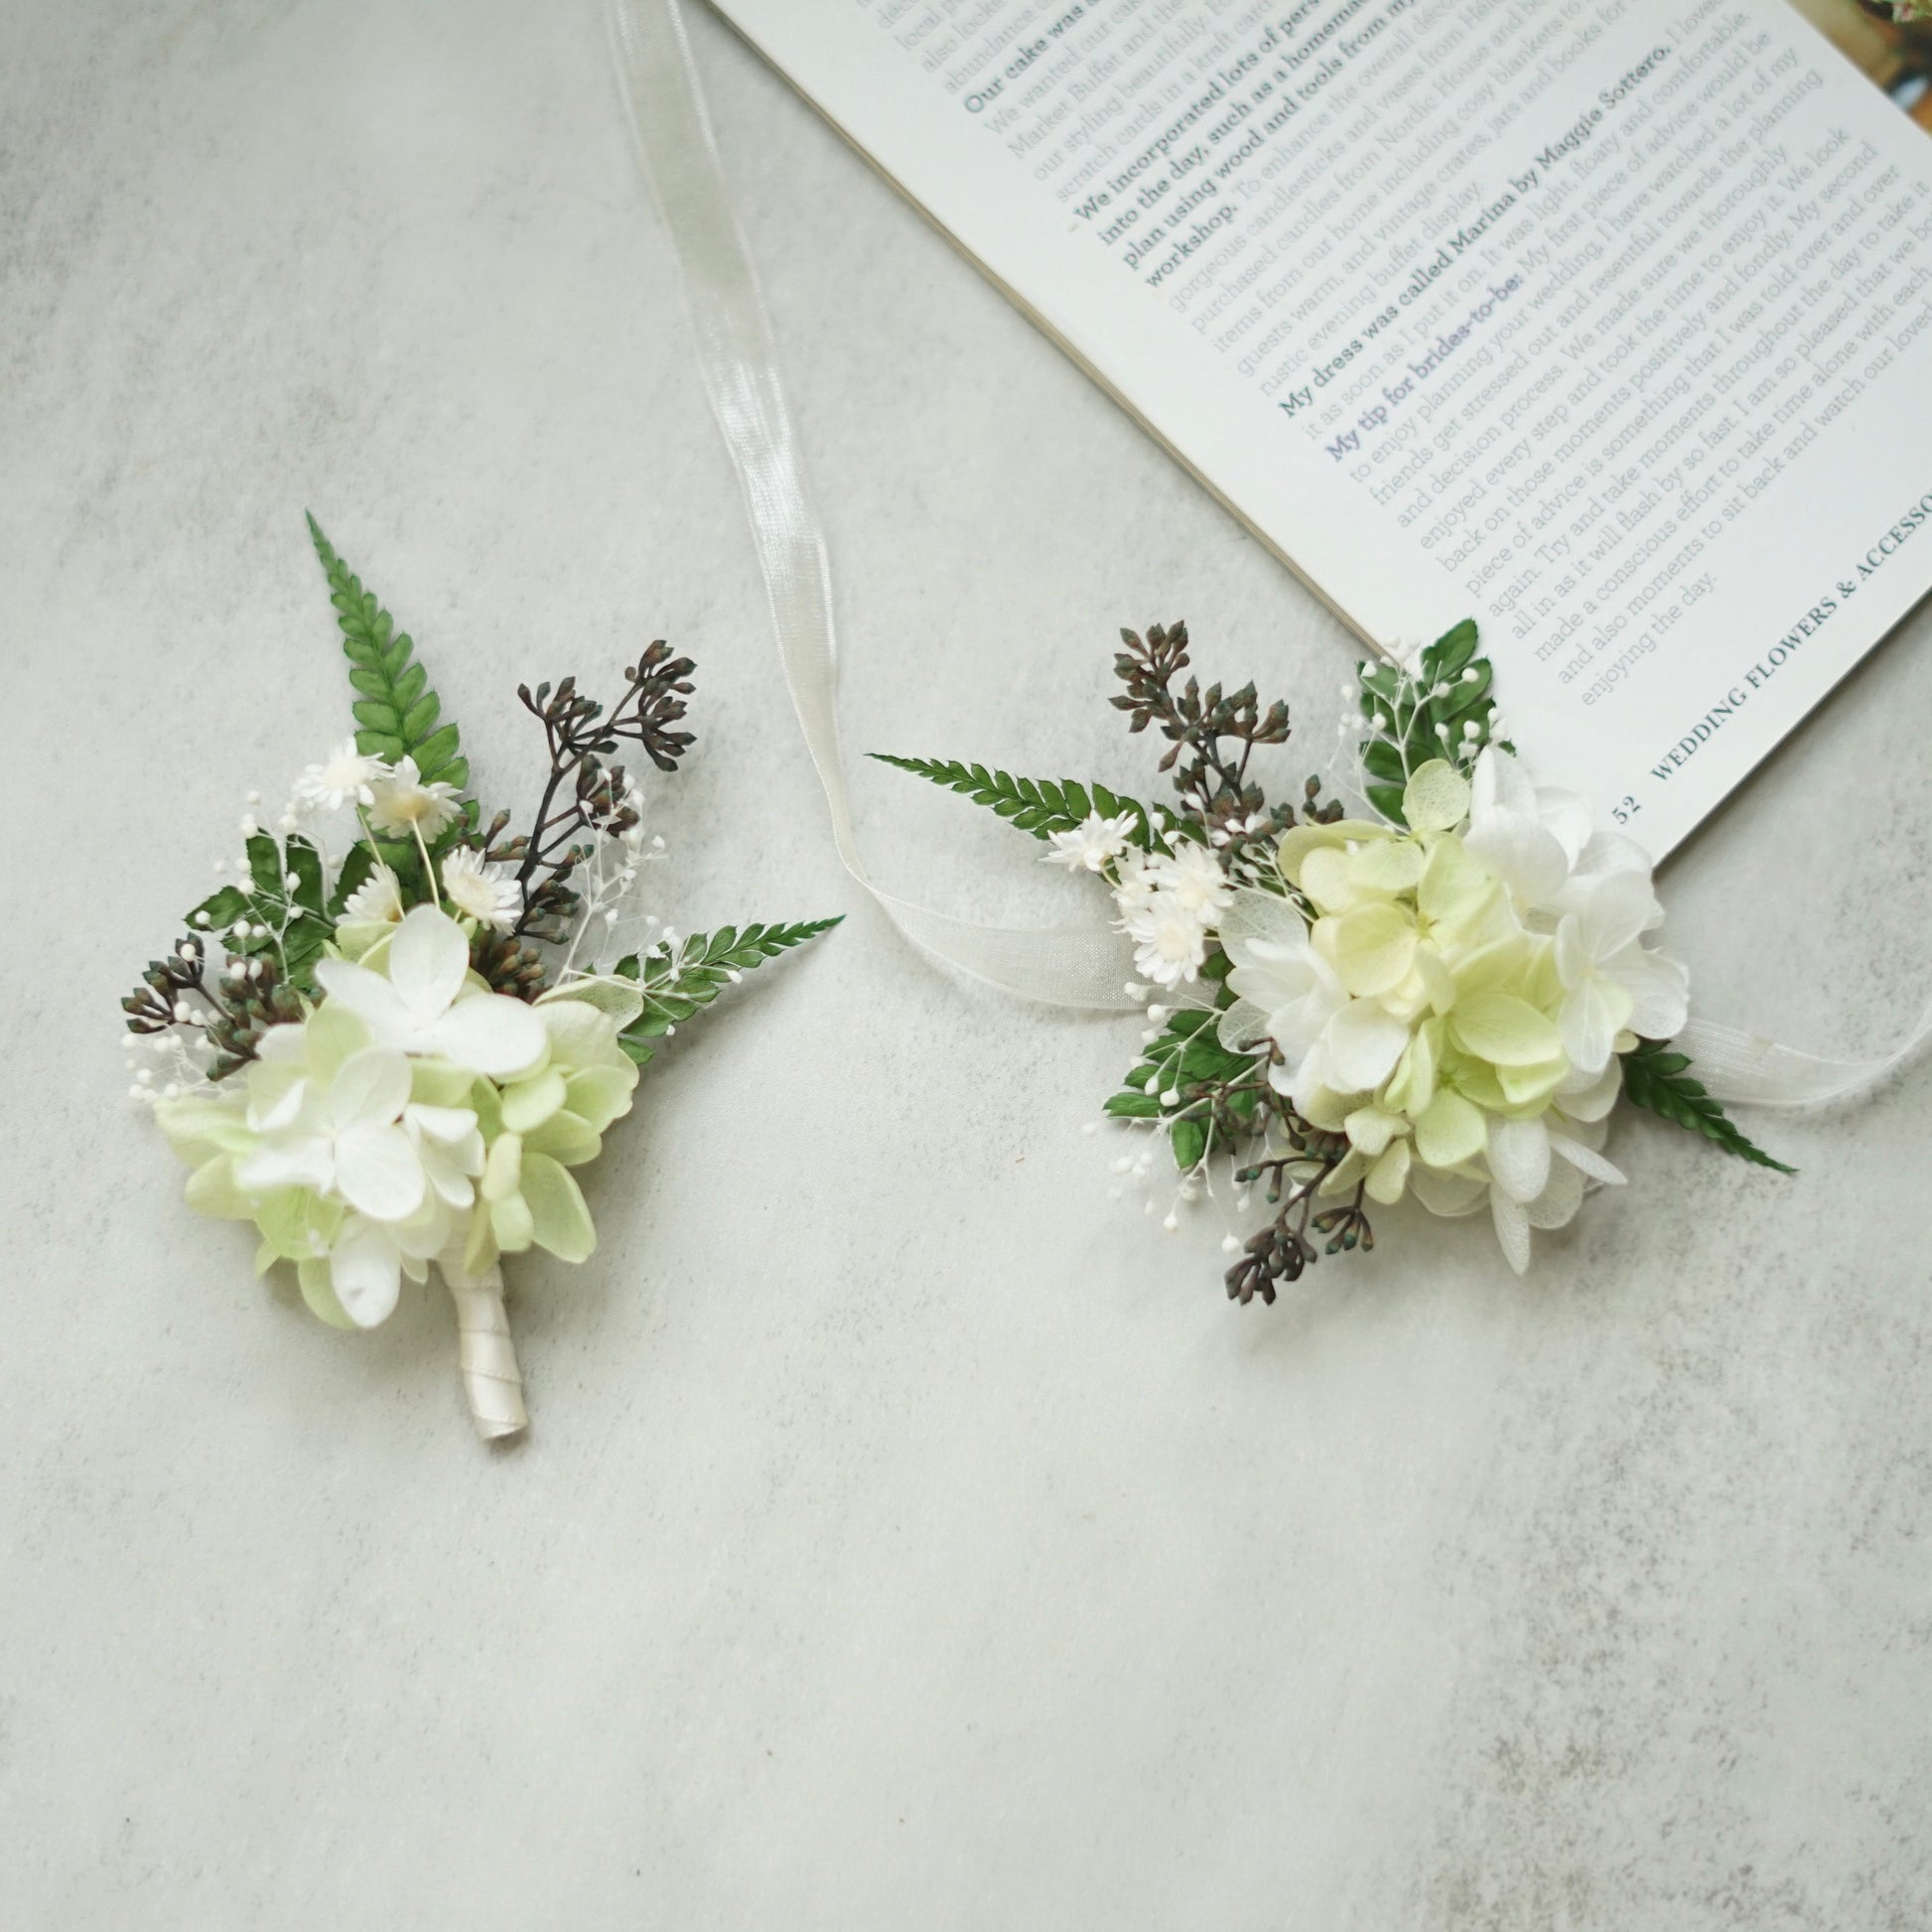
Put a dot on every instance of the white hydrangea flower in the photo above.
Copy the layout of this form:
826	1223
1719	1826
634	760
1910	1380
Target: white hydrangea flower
1614	985
1453	995
489	895
337	1130
403	805
1093	845
342	1170
345	778
423	1006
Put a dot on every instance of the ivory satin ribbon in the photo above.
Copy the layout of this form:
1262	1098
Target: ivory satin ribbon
493	1384
1077	966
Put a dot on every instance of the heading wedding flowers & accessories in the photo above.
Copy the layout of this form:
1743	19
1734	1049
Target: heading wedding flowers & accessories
396	1056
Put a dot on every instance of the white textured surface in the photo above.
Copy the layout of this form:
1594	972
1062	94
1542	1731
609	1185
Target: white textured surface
905	1537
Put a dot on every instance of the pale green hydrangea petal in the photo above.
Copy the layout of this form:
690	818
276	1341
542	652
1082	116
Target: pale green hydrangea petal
332	1037
1300	839
530	1103
1504	1030
581	1035
617	998
564	1136
1389	1176
1499	963
559	1220
1532	1087
1385	867
1450	1129
1413	1085
511	1222
295	1223
600	1094
440	1083
196	1126
211	1191
313	1275
1435	798
1371	1129
502	1173
357	941
1371	948
1456	885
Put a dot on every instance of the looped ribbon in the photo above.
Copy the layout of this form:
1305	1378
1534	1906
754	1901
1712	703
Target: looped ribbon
1076	966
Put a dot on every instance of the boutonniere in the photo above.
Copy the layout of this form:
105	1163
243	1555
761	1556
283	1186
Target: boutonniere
1442	996
391	1038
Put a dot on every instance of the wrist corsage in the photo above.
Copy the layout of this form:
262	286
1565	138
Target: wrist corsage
1441	996
391	1036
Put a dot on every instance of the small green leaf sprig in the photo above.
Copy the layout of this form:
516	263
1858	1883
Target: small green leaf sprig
1209	1101
1658	1077
1442	708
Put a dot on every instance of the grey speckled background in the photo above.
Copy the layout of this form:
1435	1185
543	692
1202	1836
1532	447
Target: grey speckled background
907	1538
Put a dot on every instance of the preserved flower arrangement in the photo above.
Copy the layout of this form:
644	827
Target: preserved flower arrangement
391	1038
1441	997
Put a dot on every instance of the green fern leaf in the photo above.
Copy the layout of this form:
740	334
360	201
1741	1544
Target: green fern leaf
1659	1079
1037	805
396	714
678	985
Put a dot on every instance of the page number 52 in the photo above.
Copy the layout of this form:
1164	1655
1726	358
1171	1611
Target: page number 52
1625	812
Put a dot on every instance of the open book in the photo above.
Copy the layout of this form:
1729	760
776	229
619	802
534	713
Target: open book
1609	324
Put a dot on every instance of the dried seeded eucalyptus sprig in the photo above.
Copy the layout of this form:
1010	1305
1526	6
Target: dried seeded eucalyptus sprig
1439	996
231	1014
596	798
1212	735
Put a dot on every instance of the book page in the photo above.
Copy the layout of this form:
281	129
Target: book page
1609	323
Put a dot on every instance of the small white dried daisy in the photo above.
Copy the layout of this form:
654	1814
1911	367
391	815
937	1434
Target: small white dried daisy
1092	846
345	777
403	804
1194	877
1170	941
489	895
377	897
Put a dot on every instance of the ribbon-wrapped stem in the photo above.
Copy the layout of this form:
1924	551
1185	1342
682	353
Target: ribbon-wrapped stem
485	1354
